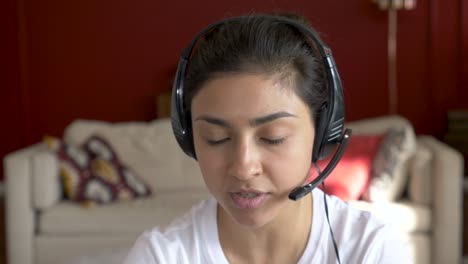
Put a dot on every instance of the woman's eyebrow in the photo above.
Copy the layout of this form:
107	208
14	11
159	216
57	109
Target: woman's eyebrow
213	120
269	118
252	122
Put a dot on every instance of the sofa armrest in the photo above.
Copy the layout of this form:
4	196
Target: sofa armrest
447	182
31	180
19	211
46	185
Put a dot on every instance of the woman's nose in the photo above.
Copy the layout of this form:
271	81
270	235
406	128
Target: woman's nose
245	162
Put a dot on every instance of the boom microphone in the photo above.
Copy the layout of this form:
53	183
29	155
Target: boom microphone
302	191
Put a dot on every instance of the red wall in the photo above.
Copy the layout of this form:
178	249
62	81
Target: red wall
463	92
109	59
11	111
429	64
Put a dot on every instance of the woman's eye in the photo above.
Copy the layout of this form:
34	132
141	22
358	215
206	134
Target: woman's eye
217	142
274	141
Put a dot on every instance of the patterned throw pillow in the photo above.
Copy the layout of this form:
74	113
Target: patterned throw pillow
389	175
93	173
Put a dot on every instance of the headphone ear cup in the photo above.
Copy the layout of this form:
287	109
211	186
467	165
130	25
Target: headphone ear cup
330	126
320	127
328	132
180	118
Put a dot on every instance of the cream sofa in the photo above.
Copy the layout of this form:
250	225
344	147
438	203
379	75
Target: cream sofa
44	229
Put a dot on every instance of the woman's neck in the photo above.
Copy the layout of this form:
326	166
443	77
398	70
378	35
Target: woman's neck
282	240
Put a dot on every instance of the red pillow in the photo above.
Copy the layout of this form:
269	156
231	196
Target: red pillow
351	175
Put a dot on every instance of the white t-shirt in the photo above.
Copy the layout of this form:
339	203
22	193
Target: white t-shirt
193	238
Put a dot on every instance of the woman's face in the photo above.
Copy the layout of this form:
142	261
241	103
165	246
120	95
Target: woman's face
253	138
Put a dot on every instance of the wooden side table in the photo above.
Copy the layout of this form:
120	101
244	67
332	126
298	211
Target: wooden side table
163	105
457	133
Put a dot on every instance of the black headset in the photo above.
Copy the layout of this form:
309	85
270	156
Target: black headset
329	127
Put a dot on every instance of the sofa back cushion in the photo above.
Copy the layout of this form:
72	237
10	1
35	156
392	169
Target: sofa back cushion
149	148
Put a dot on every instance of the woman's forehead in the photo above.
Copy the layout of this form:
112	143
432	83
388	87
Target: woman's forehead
247	96
248	84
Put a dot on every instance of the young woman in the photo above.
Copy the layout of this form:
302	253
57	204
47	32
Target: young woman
255	90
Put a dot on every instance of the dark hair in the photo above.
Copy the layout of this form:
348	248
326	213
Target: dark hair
259	44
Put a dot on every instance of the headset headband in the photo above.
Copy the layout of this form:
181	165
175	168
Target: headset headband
330	123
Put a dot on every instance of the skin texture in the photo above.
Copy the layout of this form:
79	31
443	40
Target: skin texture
252	132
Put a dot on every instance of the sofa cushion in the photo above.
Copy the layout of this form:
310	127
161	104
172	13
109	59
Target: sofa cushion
94	173
82	249
124	217
389	176
419	246
112	173
351	175
389	173
149	148
408	217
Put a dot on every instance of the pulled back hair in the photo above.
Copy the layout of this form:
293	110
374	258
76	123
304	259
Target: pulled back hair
260	44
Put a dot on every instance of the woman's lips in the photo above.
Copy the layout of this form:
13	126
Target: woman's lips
248	200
